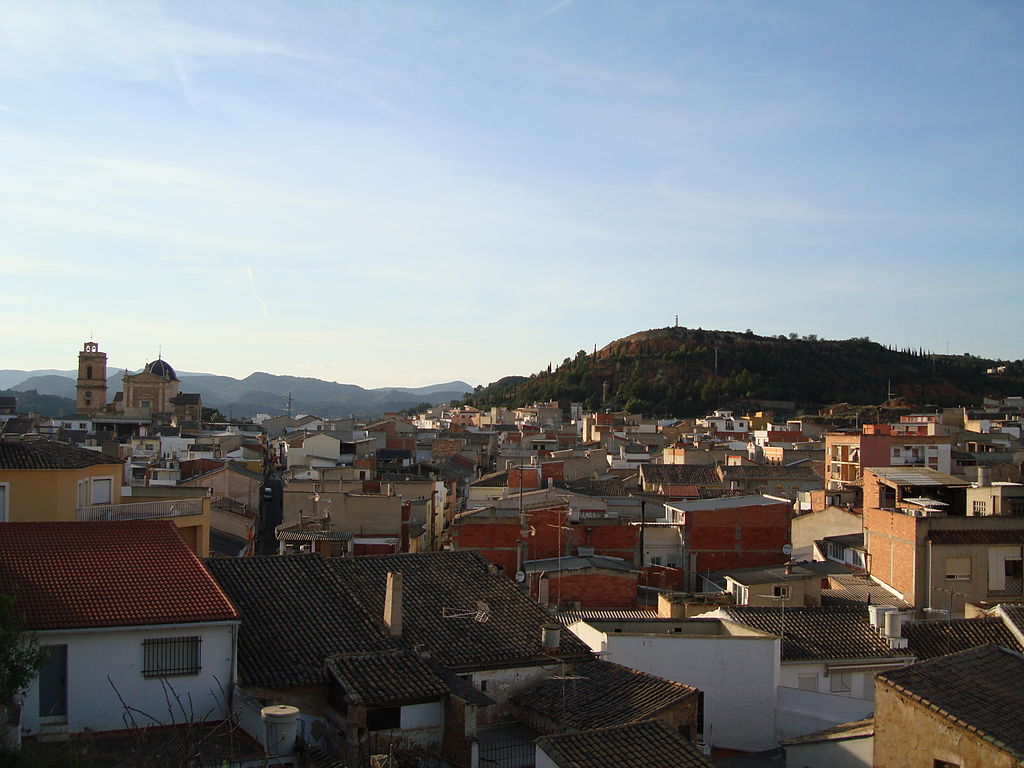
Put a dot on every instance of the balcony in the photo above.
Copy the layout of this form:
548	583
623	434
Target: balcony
142	510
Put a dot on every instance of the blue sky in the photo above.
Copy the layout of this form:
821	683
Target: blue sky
406	193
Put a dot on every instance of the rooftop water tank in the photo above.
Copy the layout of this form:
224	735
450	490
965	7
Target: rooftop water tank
280	722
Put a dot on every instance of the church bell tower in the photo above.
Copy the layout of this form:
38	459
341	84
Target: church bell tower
92	379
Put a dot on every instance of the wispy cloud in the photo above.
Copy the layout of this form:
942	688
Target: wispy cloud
255	293
557	7
38	38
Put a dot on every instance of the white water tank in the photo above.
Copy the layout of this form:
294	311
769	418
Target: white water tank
281	723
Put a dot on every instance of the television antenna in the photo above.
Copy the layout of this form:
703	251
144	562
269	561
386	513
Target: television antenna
482	613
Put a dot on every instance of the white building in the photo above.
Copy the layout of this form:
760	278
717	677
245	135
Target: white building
736	667
128	616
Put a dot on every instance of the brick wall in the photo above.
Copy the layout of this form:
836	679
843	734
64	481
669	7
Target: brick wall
592	588
529	478
554	470
443	448
742	537
891	539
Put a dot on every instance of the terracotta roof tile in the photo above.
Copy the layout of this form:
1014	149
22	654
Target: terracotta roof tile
1005	536
441	586
979	689
931	639
48	454
857	590
652	744
817	633
598	694
295	613
386	678
106	574
680	474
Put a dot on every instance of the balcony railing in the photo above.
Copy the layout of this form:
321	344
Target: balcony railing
142	510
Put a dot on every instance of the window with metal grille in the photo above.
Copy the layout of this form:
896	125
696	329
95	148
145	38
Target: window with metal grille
166	656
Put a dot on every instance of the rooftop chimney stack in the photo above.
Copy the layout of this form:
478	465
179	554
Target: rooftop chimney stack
393	604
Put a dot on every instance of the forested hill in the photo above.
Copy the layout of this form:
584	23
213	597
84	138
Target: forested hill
672	371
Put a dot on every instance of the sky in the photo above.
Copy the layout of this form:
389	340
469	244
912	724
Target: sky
386	193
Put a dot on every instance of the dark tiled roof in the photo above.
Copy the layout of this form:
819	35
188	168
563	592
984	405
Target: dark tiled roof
979	689
597	694
106	574
187	398
295	613
493	480
1014	615
225	544
858	729
930	639
768	472
612	486
855	589
19	425
652	744
386	678
440	588
680	474
47	454
1009	536
817	633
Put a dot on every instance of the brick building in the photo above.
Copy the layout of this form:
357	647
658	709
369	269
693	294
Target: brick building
920	542
878	445
730	533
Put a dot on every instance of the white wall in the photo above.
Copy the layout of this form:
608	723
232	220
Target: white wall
838	753
92	656
502	684
802	712
428	715
738	676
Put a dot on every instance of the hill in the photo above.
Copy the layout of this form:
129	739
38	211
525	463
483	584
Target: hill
49	406
259	392
688	372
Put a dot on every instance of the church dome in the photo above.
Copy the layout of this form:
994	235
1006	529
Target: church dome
162	368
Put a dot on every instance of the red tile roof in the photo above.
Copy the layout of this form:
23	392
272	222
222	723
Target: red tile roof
106	574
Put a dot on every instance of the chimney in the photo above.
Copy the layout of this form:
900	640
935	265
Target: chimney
984	477
393	604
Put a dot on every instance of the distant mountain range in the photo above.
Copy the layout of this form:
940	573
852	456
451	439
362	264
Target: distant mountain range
688	372
258	392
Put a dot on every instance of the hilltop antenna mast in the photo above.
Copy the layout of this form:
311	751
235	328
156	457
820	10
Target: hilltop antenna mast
289	405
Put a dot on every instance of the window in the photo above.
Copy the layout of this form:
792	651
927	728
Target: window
808	682
4	492
101	490
384	719
168	656
781	591
895	452
83	493
958	568
1004	569
840	681
656	560
978	507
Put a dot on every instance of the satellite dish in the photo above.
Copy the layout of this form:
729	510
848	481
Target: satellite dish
787	549
520	576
